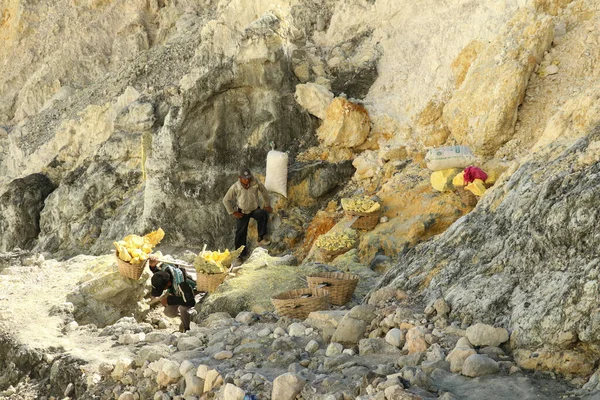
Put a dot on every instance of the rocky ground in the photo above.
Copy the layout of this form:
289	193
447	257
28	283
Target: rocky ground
389	347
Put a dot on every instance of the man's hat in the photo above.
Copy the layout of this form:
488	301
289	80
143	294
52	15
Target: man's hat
159	283
245	173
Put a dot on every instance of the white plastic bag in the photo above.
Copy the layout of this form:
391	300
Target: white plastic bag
277	164
449	157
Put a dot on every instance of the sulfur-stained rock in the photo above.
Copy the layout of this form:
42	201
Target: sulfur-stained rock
483	111
346	124
415	340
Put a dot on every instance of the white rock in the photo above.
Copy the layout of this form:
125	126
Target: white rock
551	69
245	317
479	365
463	342
312	346
287	386
232	392
486	335
131	338
296	329
314	98
185	367
71	326
213	380
121	367
126	396
171	369
194	386
201	371
350	352
264	332
395	337
334	349
457	358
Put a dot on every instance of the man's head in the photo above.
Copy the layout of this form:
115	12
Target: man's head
245	175
160	281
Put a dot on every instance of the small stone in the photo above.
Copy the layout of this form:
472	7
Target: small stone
312	346
223	355
479	365
263	332
287	386
246	317
415	340
486	335
395	337
278	332
457	357
551	69
334	349
232	392
185	367
124	396
441	307
296	329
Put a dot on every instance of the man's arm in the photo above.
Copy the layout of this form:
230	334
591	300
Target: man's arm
229	199
264	193
187	299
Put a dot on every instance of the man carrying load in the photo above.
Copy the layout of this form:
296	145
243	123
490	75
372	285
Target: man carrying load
179	299
242	201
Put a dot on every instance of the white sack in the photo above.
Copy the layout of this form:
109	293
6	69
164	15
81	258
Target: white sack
449	157
277	164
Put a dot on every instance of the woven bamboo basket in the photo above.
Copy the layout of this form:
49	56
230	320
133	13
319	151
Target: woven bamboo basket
468	198
292	304
340	285
209	282
131	271
366	222
334	253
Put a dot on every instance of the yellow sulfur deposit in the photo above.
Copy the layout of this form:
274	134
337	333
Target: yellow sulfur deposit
442	180
135	249
476	187
335	241
360	204
215	262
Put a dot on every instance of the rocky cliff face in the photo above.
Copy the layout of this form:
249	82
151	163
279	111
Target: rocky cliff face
122	116
524	259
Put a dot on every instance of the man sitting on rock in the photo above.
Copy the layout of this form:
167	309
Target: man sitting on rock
241	201
179	299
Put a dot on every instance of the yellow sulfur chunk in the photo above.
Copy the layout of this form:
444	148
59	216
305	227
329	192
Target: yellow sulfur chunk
459	180
476	187
154	237
147	248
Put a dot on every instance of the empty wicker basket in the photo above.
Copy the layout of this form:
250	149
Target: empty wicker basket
366	222
131	271
209	282
299	303
339	285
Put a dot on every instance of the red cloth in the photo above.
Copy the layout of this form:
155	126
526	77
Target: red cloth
472	173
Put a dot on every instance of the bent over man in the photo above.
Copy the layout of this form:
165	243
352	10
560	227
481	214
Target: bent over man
180	291
242	201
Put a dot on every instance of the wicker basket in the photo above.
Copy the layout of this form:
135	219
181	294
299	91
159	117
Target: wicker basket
131	271
292	304
209	282
339	285
334	253
467	197
365	222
